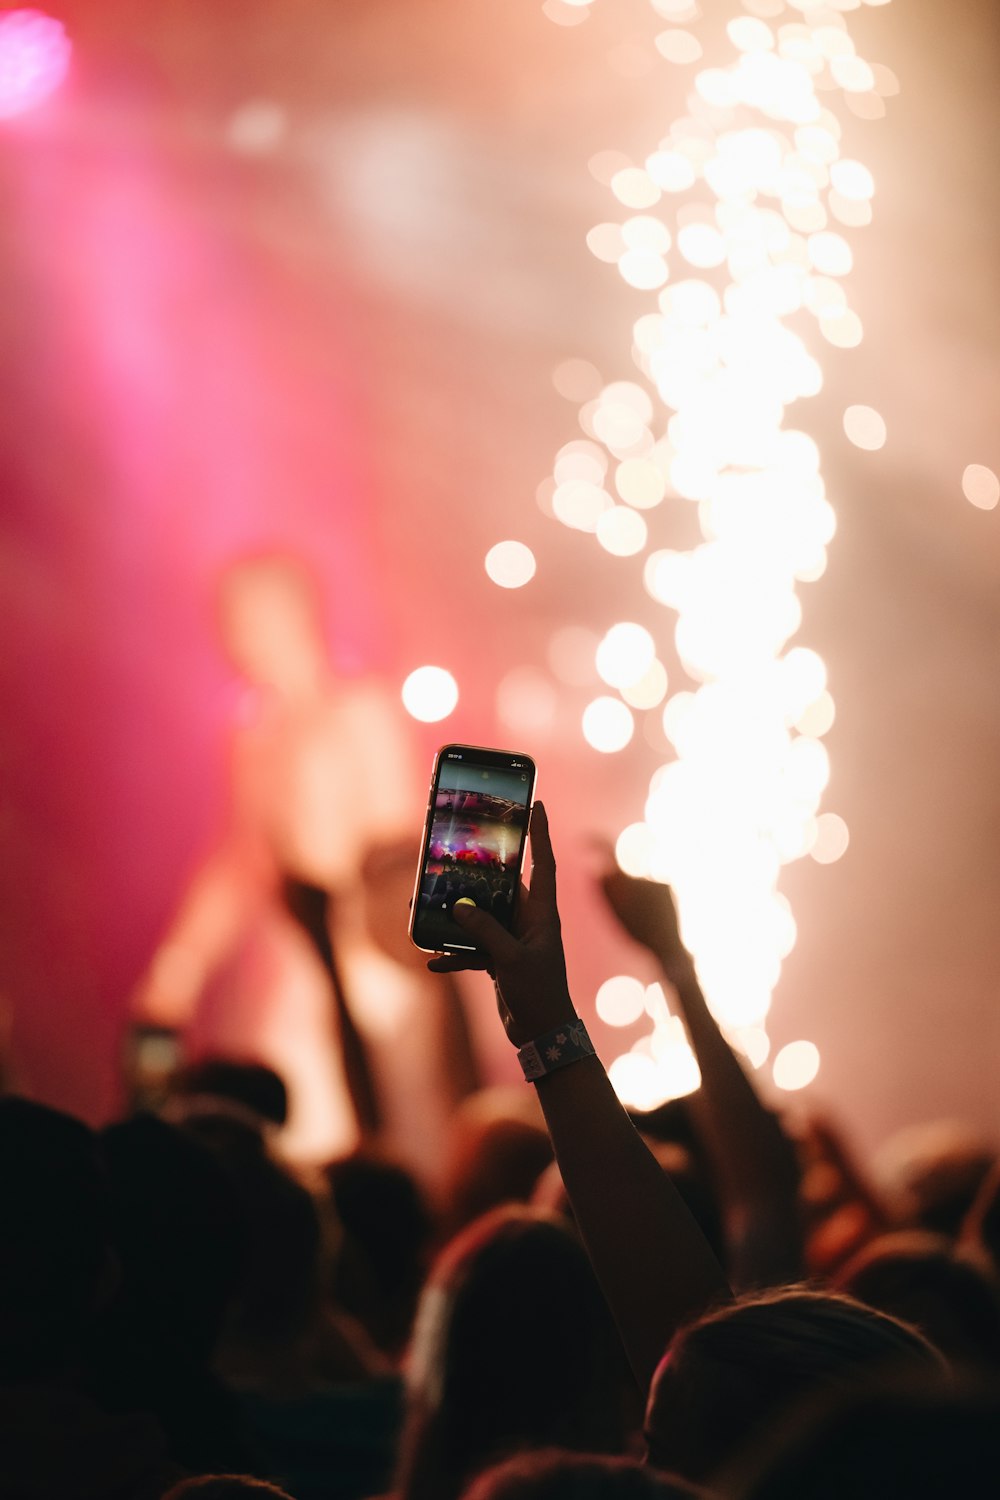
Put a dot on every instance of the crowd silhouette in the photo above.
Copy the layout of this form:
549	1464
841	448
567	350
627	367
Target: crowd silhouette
587	1303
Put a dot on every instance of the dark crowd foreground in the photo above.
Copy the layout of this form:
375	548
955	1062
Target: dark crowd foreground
707	1300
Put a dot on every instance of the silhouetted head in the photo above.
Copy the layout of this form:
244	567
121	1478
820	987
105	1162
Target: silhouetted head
882	1442
280	1295
383	1250
180	1233
555	1474
917	1277
251	1086
931	1173
513	1348
738	1371
57	1267
981	1229
497	1150
225	1487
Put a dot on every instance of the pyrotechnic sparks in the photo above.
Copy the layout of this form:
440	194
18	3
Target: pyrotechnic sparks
736	202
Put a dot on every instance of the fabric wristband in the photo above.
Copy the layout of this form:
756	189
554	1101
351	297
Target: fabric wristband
555	1049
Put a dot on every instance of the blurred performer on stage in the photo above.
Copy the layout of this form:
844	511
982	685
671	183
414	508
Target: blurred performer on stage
321	771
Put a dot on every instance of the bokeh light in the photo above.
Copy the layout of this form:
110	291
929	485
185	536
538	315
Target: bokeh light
851	179
565	12
640	483
753	1042
580	504
633	848
576	379
648	690
621	1001
621	531
865	427
981	487
625	654
429	694
831	839
679	46
510	564
34	60
635	188
608	725
796	1065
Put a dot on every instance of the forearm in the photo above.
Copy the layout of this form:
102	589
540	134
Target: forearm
651	1259
655	1267
752	1159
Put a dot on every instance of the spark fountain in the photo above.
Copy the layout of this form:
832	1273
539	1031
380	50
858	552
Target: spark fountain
735	226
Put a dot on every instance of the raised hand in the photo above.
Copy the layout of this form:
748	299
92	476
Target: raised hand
647	912
528	964
754	1163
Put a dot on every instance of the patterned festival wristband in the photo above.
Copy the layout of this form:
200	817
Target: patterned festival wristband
567	1044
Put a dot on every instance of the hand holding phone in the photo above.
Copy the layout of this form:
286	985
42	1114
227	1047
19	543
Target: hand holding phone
473	843
528	964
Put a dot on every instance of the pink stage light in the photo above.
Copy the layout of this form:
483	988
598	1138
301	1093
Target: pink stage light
34	60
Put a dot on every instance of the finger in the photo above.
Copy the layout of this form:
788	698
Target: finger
543	867
522	921
456	963
486	932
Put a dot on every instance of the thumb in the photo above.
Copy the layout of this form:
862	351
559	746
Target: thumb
486	932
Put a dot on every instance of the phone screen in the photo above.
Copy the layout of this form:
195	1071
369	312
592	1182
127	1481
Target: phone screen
477	824
152	1056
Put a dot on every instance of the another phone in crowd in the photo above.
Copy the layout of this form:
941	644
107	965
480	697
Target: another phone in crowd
473	844
152	1056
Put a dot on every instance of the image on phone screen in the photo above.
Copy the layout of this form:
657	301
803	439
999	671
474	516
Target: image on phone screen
473	842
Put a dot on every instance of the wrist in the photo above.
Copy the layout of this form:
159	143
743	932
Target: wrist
553	1050
559	1011
678	966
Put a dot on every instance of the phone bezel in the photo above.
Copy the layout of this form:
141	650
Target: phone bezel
502	759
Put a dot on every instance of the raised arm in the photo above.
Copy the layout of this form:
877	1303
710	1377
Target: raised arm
310	906
654	1265
752	1159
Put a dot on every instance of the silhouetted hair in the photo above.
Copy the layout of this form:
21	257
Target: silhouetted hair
514	1348
880	1443
498	1149
981	1229
555	1474
280	1292
932	1174
55	1245
917	1277
252	1085
224	1487
180	1231
382	1256
738	1370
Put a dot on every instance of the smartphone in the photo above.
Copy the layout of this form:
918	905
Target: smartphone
152	1056
473	843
